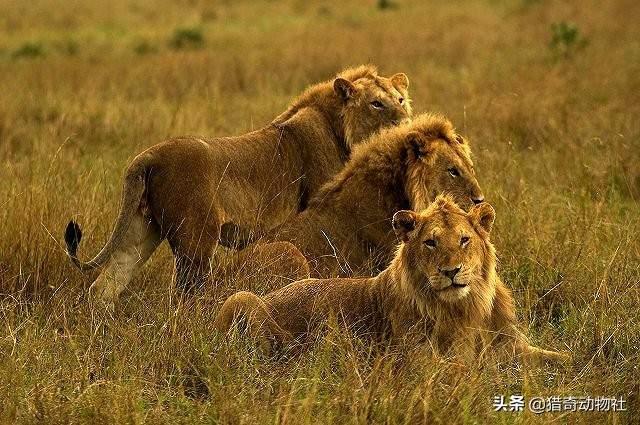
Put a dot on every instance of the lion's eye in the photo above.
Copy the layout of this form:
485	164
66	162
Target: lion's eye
430	243
377	104
464	240
454	172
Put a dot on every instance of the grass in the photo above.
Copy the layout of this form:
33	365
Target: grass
28	50
187	37
557	149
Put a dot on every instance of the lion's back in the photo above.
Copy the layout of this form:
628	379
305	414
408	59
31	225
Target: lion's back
303	305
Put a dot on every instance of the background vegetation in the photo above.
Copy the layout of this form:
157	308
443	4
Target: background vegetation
547	91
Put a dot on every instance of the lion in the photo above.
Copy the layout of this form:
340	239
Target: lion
345	231
184	189
440	288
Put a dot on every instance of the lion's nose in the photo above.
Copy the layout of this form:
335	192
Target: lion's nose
451	273
478	200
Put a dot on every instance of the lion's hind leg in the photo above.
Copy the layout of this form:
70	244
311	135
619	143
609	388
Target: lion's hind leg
142	239
251	314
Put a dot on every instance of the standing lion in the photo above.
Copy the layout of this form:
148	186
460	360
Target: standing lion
183	189
441	287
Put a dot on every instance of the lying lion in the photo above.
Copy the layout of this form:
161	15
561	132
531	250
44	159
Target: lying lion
441	285
183	189
345	230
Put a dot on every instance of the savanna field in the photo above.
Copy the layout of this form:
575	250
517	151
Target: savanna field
547	92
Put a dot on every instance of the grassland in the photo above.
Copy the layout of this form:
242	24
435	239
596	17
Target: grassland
548	93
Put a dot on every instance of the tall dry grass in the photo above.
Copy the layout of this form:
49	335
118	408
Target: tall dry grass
556	136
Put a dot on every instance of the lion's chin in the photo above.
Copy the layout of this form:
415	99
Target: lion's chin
454	293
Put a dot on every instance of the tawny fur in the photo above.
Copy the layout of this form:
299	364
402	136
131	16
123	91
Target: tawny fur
345	231
186	188
277	265
409	298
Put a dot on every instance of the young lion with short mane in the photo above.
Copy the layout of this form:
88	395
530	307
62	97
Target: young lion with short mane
441	286
184	189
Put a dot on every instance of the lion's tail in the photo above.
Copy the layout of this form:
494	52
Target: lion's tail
133	190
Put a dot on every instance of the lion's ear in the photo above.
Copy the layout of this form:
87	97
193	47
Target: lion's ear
404	222
416	145
344	88
400	81
483	215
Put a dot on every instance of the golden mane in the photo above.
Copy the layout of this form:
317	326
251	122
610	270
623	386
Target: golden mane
384	153
470	312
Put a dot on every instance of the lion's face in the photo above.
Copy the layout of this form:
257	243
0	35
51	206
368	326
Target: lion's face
447	248
439	166
371	104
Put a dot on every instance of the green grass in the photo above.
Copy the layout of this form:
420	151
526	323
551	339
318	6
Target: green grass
557	148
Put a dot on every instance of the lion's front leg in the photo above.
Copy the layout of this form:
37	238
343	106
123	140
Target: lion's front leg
517	344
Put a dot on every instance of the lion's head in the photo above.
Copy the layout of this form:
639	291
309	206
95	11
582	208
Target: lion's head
370	102
446	257
414	163
439	161
357	102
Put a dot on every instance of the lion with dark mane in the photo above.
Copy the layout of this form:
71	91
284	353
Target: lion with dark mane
185	188
345	229
441	286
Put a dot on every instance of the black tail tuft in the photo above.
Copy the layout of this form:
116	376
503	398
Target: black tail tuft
72	236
